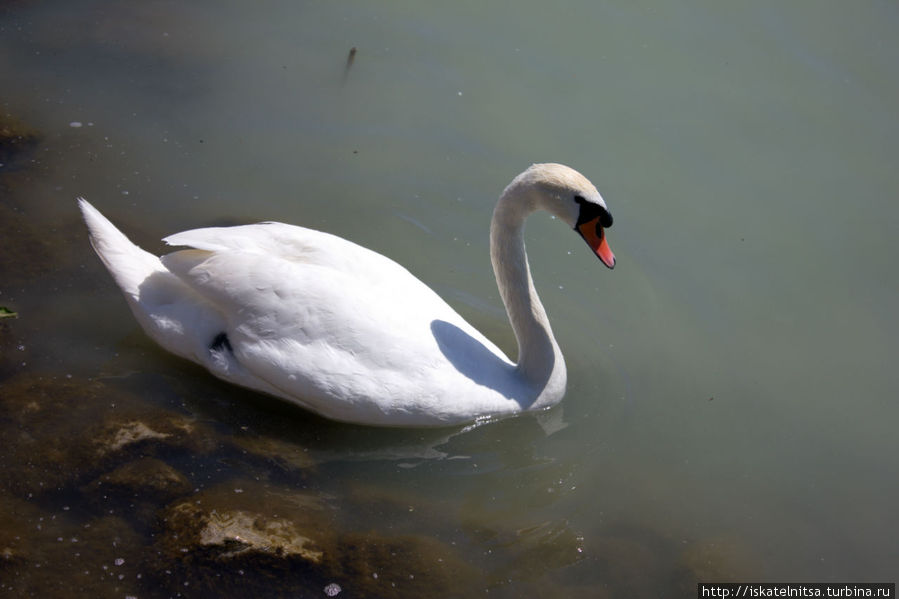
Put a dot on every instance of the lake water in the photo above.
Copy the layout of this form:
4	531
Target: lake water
732	403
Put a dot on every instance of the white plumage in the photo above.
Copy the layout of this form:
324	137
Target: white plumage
346	332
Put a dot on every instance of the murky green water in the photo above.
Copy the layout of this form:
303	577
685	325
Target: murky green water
731	411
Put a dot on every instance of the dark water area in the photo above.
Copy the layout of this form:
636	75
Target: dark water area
731	409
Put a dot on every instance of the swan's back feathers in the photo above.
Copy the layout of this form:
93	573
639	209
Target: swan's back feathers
290	243
330	336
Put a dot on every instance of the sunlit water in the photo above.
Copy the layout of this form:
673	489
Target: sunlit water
731	409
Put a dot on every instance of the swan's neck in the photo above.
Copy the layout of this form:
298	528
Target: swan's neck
540	361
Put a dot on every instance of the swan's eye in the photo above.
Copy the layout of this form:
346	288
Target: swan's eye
605	218
590	211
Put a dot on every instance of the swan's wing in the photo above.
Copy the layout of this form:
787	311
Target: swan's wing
269	236
324	335
287	242
273	298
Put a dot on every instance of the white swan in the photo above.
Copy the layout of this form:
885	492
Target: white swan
346	332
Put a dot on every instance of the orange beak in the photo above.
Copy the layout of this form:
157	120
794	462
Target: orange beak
595	236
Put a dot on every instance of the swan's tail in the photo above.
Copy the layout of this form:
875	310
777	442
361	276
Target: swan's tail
170	312
128	264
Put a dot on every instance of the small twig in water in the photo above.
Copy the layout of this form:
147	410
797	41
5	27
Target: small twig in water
349	62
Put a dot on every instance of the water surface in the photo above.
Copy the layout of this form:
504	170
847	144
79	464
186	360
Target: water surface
732	389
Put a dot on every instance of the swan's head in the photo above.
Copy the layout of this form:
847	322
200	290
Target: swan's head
571	197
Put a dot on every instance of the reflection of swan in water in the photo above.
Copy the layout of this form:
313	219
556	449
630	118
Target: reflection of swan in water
316	443
348	333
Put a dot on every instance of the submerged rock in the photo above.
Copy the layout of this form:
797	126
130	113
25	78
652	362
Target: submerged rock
237	534
241	537
140	487
245	538
393	567
147	477
153	432
285	454
61	432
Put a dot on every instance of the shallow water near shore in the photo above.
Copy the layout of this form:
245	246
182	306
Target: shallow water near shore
731	411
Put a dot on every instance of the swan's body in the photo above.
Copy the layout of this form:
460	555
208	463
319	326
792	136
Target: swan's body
348	333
